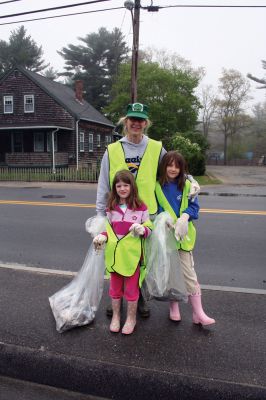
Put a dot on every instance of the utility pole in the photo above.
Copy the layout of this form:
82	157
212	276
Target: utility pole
135	52
134	8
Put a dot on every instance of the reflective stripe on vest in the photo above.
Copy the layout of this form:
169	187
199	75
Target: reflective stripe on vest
188	242
125	254
147	172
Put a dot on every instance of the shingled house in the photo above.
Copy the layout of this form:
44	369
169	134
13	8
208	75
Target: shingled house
46	124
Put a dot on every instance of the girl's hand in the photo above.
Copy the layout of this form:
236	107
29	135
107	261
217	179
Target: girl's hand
137	230
181	227
99	241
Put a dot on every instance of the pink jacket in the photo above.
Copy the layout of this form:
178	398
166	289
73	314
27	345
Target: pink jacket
121	221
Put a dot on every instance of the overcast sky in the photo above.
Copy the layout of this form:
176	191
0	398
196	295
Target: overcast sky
213	38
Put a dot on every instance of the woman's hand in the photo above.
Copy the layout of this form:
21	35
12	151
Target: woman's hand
194	190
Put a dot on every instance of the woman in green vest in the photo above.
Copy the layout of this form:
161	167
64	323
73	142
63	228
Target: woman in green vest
128	225
172	192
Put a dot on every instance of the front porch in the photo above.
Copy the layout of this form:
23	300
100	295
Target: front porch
36	159
35	148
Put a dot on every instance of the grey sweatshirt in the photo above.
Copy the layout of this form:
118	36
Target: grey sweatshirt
133	155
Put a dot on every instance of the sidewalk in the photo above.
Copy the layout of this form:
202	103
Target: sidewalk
236	181
161	360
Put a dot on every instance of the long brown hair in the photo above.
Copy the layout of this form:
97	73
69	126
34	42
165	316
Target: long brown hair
133	201
179	161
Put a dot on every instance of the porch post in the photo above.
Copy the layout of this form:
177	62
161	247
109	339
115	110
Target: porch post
77	144
53	157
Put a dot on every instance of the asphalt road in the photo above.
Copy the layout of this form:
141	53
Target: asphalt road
230	248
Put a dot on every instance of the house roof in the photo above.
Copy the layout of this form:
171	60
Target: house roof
65	96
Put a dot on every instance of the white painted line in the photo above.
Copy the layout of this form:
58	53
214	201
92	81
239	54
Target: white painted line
233	289
51	271
25	268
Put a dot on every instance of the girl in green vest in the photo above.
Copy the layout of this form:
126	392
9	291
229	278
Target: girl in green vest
128	225
172	192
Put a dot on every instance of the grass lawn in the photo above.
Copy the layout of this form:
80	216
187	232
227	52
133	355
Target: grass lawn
207	180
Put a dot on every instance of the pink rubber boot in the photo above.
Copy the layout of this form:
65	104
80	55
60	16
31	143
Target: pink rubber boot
130	323
115	323
199	316
174	311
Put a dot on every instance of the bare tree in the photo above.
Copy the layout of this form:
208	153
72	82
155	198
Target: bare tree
171	61
208	99
234	89
259	80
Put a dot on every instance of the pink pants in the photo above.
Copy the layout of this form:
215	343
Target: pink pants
127	286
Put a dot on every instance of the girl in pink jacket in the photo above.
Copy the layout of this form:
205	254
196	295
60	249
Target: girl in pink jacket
127	216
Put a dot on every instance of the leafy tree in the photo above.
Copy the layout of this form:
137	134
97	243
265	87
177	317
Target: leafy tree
96	62
234	89
190	151
51	74
168	93
21	50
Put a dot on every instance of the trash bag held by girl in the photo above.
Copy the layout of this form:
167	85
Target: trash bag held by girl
76	303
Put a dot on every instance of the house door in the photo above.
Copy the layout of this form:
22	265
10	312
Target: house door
5	146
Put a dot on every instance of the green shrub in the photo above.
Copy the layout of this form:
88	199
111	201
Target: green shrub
190	151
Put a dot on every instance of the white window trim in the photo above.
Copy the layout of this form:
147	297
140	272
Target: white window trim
12	104
81	141
90	142
108	139
33	105
98	140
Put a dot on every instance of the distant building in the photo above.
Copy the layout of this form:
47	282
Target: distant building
47	124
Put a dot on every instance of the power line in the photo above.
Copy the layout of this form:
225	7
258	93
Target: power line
53	8
9	1
62	15
157	8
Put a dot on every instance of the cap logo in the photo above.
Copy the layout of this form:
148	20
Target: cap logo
138	107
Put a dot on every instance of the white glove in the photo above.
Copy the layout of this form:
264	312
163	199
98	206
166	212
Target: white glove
99	241
194	189
137	230
181	227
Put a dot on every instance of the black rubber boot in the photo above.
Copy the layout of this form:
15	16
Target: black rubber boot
143	308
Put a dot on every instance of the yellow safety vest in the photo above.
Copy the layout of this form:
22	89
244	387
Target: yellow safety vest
125	254
147	172
188	242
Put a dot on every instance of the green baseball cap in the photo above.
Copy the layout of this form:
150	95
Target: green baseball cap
137	110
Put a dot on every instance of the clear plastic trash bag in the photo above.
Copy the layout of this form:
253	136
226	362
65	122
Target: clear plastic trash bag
76	303
164	279
95	225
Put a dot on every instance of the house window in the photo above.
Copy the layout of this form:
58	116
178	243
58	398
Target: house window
108	140
90	141
98	140
8	104
81	142
17	143
39	142
49	141
28	103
